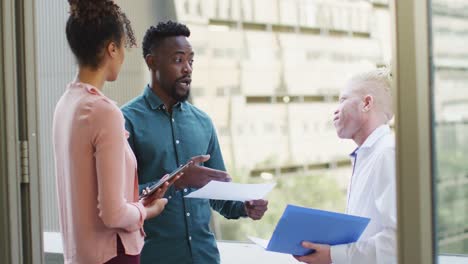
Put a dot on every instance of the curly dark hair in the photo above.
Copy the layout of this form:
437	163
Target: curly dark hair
155	35
90	27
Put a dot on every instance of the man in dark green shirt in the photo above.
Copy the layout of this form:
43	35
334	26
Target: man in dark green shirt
165	132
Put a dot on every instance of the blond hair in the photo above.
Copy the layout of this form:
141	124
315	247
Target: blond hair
377	83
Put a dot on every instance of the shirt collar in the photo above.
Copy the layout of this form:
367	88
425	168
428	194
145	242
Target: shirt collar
354	153
376	135
155	102
372	138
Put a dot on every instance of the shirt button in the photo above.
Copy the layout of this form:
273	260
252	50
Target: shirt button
188	214
190	238
185	190
170	197
177	141
173	120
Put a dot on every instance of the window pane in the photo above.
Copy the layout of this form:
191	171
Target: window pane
279	72
268	73
450	107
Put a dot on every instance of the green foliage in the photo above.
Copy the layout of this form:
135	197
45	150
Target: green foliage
312	190
452	188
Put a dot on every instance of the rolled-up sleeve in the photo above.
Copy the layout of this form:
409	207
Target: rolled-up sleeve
107	130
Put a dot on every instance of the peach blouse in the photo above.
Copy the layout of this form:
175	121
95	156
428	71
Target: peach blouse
96	178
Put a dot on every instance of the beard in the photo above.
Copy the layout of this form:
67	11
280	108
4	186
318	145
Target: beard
179	97
179	90
171	89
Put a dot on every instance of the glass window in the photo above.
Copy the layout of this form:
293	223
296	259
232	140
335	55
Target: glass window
450	104
262	139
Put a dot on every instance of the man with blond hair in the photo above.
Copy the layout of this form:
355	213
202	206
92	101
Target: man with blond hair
363	113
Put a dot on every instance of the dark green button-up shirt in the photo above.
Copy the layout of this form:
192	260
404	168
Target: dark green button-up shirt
162	142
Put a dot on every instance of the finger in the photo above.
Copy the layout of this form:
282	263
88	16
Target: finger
257	208
299	258
175	178
227	178
164	187
159	193
165	177
262	208
143	201
162	202
259	202
162	190
220	177
200	158
259	211
152	197
305	259
148	200
310	245
158	206
212	172
259	215
255	215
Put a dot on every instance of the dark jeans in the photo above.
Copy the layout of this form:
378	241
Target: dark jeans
121	257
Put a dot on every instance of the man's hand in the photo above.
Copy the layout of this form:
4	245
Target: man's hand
197	176
256	209
320	256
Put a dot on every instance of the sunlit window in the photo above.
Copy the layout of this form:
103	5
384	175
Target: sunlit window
278	67
450	74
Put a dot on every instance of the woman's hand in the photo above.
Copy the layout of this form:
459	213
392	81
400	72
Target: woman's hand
155	203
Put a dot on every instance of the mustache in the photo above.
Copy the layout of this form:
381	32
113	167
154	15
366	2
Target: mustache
183	77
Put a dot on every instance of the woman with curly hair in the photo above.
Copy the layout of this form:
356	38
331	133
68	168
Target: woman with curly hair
101	217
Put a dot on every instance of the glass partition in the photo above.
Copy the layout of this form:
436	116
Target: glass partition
450	108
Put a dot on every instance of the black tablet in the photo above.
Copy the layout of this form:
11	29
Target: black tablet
158	184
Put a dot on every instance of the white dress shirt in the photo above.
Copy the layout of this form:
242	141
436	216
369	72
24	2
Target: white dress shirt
372	194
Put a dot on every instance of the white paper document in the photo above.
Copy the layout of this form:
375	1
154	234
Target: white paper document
263	243
232	191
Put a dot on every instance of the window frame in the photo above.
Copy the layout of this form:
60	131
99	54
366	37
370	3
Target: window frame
20	189
414	129
413	126
10	219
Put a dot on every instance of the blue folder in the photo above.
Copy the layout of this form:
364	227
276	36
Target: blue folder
299	224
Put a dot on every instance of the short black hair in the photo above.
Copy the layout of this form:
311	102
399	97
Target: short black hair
92	24
155	34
